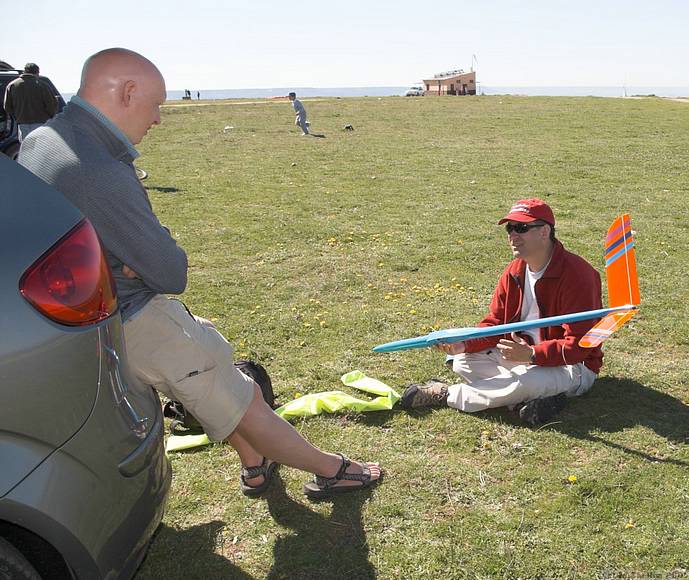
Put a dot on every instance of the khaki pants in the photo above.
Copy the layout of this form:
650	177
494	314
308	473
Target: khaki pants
491	381
187	359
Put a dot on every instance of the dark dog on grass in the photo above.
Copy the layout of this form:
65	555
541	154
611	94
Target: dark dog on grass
348	128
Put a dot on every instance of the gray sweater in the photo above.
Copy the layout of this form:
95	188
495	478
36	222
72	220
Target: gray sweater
83	158
299	109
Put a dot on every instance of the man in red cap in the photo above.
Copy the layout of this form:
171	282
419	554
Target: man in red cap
534	371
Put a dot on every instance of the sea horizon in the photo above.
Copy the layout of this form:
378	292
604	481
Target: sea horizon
390	91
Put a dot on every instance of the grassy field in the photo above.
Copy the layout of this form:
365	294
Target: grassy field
307	251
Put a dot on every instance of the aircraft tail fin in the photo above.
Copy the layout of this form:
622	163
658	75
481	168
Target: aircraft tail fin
620	264
605	327
623	282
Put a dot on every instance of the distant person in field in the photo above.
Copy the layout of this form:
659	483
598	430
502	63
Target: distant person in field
87	153
534	371
29	100
300	114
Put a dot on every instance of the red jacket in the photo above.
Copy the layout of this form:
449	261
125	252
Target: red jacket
569	284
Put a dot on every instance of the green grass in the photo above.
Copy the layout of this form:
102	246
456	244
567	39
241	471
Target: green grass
306	252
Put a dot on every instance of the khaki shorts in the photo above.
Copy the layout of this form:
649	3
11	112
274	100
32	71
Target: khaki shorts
491	381
187	359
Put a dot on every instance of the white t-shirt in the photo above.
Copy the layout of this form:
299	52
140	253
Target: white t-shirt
530	309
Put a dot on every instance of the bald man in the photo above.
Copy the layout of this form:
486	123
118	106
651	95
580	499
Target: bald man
87	153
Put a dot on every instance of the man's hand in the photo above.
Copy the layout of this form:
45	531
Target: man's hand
451	347
516	350
128	272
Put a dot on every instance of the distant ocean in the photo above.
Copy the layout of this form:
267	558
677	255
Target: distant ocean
613	91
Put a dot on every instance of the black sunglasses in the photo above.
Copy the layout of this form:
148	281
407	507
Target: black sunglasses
521	228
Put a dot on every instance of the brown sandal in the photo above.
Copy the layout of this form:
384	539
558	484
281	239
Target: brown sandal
323	486
265	469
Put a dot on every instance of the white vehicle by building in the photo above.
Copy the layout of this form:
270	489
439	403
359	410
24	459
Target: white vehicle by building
416	91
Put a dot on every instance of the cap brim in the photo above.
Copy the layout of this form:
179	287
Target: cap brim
517	217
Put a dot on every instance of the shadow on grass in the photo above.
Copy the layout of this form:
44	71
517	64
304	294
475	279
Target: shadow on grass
189	553
318	546
611	406
163	189
615	404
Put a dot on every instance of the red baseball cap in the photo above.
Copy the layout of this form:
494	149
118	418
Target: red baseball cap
530	210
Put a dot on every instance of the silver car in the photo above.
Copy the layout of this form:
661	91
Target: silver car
415	92
83	475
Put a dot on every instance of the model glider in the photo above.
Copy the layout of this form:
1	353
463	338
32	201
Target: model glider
623	300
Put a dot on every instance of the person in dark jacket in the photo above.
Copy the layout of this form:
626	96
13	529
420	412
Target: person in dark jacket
536	370
29	101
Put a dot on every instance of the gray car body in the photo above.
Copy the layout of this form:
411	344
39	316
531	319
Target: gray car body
81	440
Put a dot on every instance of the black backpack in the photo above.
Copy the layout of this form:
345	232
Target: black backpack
184	423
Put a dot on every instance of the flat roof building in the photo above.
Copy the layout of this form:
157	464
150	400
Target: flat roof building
455	82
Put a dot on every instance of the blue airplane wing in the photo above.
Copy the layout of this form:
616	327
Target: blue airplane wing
458	334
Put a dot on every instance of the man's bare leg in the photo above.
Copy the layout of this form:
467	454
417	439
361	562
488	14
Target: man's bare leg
248	456
268	435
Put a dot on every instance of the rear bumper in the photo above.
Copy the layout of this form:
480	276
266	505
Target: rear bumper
102	522
148	453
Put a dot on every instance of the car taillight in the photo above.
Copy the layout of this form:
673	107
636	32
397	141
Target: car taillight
71	283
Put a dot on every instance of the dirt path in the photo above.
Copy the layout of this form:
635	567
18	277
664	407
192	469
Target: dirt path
224	102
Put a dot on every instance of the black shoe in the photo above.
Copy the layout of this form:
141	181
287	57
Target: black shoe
431	394
539	411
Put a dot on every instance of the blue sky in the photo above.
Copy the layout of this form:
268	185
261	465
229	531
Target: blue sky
213	44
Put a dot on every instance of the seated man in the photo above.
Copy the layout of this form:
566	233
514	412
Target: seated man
87	153
537	370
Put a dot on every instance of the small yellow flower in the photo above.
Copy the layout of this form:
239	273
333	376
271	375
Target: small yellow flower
297	395
572	479
629	524
412	311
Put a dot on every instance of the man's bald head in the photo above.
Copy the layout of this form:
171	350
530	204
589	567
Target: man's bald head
126	87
